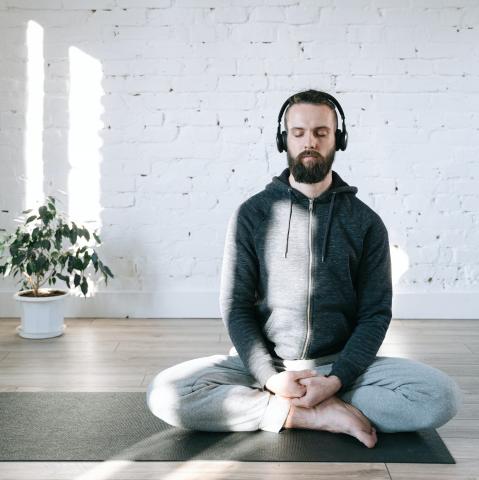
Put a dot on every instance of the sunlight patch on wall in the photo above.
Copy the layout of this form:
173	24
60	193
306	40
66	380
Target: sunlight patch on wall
84	142
399	263
34	193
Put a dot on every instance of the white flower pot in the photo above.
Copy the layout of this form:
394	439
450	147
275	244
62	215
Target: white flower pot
42	317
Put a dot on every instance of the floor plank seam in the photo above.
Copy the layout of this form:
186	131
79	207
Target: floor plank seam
389	473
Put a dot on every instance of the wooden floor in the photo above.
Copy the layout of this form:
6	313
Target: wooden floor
124	355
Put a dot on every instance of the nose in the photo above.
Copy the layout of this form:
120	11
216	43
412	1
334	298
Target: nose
309	141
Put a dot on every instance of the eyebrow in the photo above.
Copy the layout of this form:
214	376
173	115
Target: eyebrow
316	128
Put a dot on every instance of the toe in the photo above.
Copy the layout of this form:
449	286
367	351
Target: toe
365	438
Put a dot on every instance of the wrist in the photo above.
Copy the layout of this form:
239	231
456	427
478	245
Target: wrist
335	381
267	385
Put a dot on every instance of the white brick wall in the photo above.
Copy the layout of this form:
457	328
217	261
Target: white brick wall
191	92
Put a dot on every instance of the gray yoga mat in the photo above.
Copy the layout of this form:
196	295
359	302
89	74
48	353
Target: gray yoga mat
97	426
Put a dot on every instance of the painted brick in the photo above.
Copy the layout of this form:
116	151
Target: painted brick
186	122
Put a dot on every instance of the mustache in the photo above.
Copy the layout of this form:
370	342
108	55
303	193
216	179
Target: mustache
309	153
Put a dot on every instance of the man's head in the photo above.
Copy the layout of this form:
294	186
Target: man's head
310	122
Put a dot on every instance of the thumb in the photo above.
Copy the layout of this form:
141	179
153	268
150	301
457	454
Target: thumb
304	374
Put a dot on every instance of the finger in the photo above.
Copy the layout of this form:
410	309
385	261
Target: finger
299	392
298	402
304	374
305	381
303	402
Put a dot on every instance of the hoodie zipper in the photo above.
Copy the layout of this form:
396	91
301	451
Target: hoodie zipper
308	331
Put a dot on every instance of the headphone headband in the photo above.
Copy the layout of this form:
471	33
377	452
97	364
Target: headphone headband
341	135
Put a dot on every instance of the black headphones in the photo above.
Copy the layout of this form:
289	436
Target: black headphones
341	135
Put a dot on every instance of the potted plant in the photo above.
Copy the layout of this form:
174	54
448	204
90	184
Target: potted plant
44	248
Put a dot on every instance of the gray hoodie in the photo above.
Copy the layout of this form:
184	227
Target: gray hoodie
304	278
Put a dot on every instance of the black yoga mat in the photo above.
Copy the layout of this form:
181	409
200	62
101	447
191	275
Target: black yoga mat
96	426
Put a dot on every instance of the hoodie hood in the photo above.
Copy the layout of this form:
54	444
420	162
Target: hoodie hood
281	185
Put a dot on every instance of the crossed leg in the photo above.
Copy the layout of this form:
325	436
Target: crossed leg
217	393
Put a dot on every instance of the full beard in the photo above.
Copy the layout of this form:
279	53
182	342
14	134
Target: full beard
313	171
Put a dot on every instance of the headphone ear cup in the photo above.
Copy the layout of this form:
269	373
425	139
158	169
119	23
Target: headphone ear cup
341	140
344	140
284	140
281	141
338	139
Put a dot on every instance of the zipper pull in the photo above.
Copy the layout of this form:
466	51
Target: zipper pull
311	200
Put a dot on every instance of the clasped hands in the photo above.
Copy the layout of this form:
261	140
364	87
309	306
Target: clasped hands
306	388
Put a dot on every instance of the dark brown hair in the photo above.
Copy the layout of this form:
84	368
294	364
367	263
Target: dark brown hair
312	97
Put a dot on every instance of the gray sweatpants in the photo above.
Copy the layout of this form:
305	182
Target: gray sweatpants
217	393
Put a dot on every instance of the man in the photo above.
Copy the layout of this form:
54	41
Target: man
306	297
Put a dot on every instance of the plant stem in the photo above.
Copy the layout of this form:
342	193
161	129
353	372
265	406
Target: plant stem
29	280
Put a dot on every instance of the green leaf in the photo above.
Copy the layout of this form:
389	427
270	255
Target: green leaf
18	259
108	271
42	264
44	215
76	280
96	237
77	264
30	219
86	260
62	277
73	235
51	205
84	286
94	259
65	278
86	233
71	259
58	239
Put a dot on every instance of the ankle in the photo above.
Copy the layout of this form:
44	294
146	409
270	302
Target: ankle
289	419
298	417
302	417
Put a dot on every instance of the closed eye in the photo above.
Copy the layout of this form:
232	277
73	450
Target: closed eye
318	135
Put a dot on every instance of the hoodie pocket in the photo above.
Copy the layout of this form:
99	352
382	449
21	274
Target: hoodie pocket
286	330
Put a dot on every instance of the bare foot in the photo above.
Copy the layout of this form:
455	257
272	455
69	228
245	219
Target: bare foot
333	415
